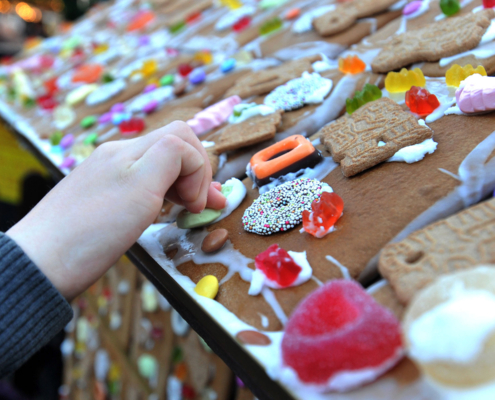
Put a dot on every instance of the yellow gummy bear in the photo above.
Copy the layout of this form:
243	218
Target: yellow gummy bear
397	82
149	68
232	4
456	74
101	48
204	57
207	286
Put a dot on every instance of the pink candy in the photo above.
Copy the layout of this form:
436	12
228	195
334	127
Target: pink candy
411	7
213	116
476	94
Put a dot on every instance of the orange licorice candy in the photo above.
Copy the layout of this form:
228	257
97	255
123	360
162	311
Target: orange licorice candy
289	155
89	73
351	65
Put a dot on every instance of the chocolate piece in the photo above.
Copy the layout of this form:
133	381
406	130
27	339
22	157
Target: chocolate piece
215	240
253	338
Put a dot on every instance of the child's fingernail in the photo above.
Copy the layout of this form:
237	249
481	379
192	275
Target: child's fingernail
217	185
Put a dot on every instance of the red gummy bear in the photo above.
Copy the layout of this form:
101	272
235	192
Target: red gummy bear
278	265
326	211
488	3
420	101
132	126
47	102
341	328
184	69
241	24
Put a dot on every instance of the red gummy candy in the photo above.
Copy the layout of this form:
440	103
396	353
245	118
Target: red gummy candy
51	85
241	24
184	69
420	101
488	3
278	265
47	102
340	328
191	18
188	392
325	213
132	126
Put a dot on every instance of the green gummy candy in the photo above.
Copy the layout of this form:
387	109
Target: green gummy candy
450	7
167	80
361	97
177	355
188	220
56	137
91	138
29	103
107	78
88	122
271	26
177	27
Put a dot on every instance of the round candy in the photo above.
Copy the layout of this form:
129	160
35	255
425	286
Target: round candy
91	138
149	88
147	365
119	117
63	116
197	76
167	80
207	286
450	7
281	208
118	107
105	118
68	162
411	7
227	65
215	240
56	137
449	329
151	106
184	69
88	122
188	220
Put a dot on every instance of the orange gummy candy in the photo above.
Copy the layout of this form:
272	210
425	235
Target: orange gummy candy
325	213
181	371
89	73
293	13
140	21
351	65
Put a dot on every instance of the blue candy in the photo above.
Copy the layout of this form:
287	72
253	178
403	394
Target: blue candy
227	65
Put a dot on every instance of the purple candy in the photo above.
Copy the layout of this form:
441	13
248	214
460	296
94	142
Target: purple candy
151	106
412	7
239	382
119	107
197	76
105	118
68	162
144	40
149	88
67	141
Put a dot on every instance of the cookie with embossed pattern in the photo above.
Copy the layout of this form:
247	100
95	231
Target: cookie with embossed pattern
251	131
459	242
345	15
354	140
441	39
261	82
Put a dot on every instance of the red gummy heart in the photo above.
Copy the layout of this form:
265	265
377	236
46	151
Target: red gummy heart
338	328
420	101
325	213
132	126
278	265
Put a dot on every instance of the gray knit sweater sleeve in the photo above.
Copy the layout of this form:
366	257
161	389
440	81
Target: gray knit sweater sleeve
32	311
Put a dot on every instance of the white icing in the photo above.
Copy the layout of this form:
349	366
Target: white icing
106	92
264	320
483	392
101	365
229	19
259	279
455	330
174	388
489	34
234	199
306	49
305	22
161	95
414	153
325	64
482	51
376	286
179	324
249	110
371	21
207	144
270	298
343	269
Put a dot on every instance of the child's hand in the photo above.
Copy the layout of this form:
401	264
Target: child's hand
96	213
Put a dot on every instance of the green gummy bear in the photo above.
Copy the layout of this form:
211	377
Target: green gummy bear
450	7
107	78
56	138
88	122
188	220
271	26
177	355
361	97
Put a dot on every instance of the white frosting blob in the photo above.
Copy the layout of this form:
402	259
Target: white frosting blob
160	95
249	110
305	22
106	92
259	279
454	331
414	153
234	199
179	324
